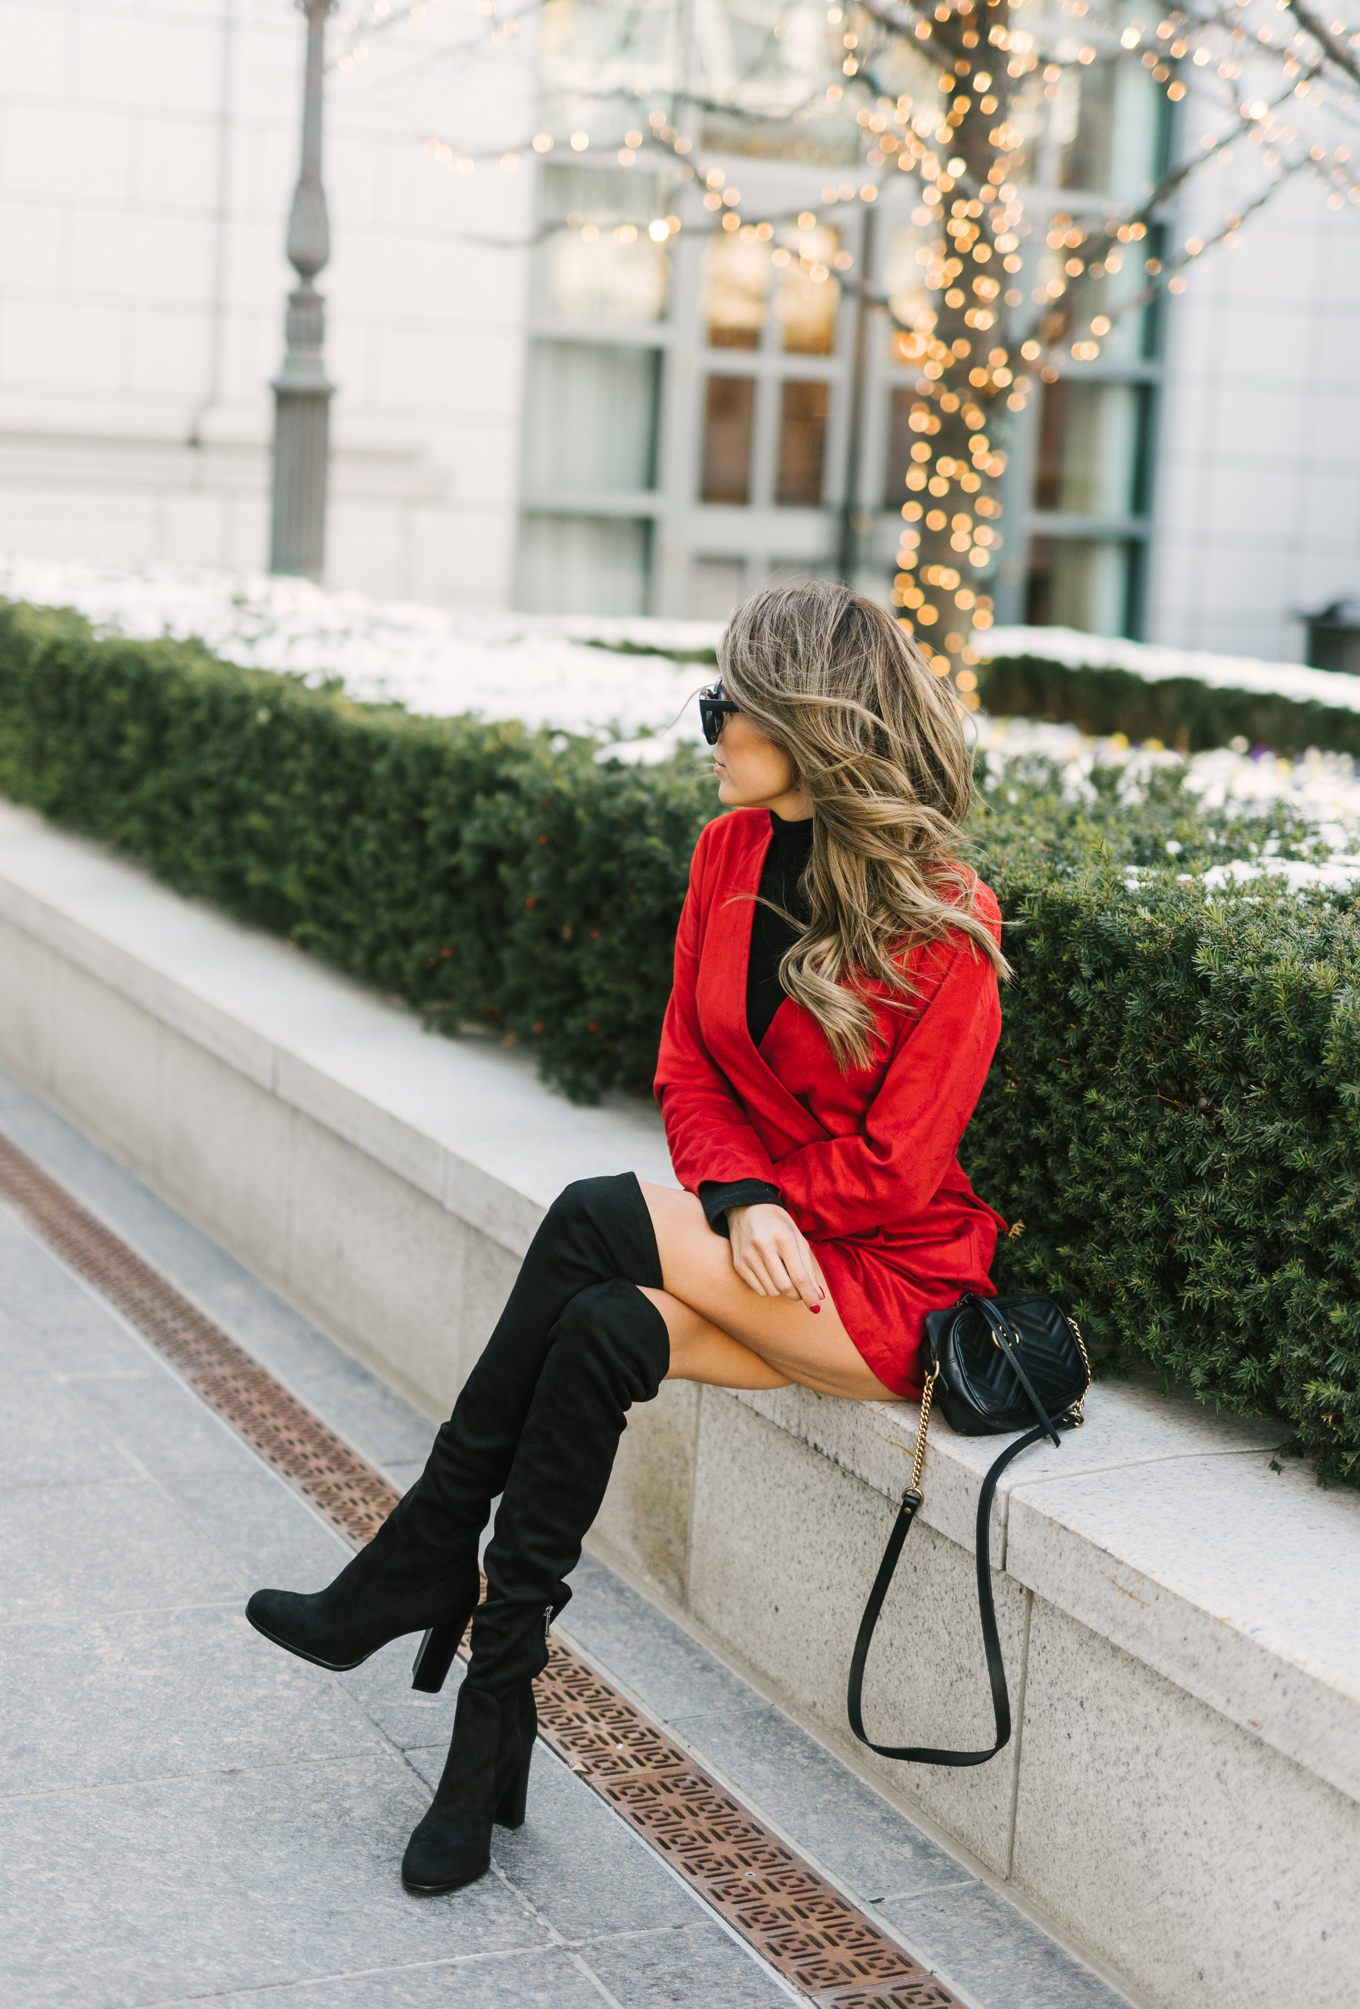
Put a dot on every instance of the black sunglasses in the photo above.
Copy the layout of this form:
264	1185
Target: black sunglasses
714	710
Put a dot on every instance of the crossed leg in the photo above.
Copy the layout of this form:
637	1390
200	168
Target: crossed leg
723	1333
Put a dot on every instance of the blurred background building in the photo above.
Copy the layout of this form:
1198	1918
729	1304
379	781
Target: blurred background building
561	385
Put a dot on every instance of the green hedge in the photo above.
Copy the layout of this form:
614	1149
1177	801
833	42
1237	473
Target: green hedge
490	877
1172	1112
1173	1116
1181	711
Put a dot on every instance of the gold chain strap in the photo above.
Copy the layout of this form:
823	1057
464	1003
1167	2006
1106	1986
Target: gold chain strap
1078	1407
919	1458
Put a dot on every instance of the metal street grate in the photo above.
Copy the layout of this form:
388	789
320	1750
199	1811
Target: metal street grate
825	1946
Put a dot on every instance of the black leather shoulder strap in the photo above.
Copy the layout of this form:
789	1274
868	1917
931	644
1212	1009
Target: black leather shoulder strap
996	1672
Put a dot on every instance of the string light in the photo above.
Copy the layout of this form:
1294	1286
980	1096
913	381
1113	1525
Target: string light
964	144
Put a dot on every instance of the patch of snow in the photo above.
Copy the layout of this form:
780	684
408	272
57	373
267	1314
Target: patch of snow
652	750
1339	874
502	666
1323	787
541	669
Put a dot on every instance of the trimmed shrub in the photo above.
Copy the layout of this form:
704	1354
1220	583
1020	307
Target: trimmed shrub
1172	1116
1180	711
493	878
1173	1109
592	862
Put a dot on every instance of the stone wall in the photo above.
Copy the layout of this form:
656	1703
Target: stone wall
150	152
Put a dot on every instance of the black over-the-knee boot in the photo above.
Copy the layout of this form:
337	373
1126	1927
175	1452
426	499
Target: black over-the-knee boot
610	1349
419	1573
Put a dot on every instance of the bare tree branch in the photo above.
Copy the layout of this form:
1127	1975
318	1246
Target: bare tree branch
1325	39
1171	267
895	25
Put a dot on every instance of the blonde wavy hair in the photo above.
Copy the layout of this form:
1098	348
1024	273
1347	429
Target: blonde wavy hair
878	744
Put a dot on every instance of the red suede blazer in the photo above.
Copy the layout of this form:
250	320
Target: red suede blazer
865	1158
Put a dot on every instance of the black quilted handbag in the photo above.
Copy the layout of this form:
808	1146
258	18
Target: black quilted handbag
995	1365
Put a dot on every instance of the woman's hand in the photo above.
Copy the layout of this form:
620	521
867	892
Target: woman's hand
772	1257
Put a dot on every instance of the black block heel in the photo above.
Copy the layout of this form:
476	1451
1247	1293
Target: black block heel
513	1801
434	1658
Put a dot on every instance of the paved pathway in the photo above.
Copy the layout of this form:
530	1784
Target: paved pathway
187	1815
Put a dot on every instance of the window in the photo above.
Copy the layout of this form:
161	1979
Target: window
771	66
901	439
592	395
589	420
1083	123
1098	128
1089	457
690	397
727	439
809	297
737	276
684	424
1080	477
1087	583
598	266
802	443
767	433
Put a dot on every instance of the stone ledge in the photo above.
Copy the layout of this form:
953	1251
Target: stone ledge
1264	1627
466	1122
1267	1632
388	1182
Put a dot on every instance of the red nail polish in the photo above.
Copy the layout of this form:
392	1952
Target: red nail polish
814	1307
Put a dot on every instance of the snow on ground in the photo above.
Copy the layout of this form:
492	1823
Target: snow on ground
541	669
503	666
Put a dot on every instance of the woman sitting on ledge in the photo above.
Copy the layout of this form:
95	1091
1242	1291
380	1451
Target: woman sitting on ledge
834	1014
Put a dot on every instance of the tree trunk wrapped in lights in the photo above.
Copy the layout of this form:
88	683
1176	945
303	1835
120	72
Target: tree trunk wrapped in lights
950	535
1013	296
1008	93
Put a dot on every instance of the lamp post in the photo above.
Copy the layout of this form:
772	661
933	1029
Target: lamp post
302	394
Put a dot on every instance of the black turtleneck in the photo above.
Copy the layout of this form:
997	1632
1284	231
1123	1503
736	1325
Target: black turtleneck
771	938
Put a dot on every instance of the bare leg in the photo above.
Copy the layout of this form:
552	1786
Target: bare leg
723	1333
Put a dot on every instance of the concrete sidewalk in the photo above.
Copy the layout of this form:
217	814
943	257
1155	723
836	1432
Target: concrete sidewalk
188	1814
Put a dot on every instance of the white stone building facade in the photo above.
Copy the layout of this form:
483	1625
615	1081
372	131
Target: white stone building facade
150	149
526	416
